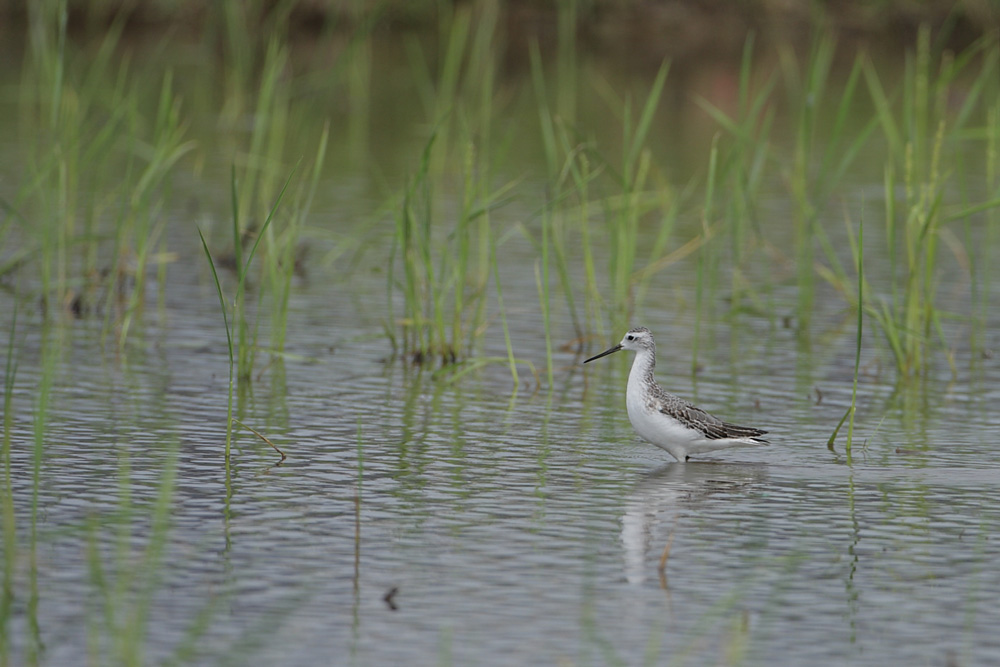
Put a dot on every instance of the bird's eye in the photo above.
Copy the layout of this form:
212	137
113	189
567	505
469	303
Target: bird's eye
630	337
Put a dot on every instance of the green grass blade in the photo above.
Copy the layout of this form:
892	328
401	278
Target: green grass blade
229	342
857	351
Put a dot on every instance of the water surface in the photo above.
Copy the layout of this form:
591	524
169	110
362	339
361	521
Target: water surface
423	521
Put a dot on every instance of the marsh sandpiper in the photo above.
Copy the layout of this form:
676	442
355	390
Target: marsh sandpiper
668	421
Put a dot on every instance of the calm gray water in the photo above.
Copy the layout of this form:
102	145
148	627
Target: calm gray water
515	528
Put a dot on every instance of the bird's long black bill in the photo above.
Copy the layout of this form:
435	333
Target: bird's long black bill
605	353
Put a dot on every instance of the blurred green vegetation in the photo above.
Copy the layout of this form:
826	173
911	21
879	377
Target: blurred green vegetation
620	170
595	16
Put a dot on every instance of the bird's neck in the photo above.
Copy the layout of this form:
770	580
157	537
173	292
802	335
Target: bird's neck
642	368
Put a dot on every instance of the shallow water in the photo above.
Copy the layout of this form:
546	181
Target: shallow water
512	528
423	522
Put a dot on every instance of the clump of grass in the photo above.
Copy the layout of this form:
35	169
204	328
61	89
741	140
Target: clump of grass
911	319
736	169
442	251
139	230
97	158
442	269
809	177
624	211
906	319
569	176
282	258
822	152
264	90
577	202
58	111
923	150
261	168
443	280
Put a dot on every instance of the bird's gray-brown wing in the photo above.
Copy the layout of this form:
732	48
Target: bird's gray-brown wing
710	426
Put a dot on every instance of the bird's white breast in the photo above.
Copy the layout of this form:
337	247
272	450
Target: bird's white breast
644	412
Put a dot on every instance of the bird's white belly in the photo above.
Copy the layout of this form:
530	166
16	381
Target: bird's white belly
653	425
658	428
